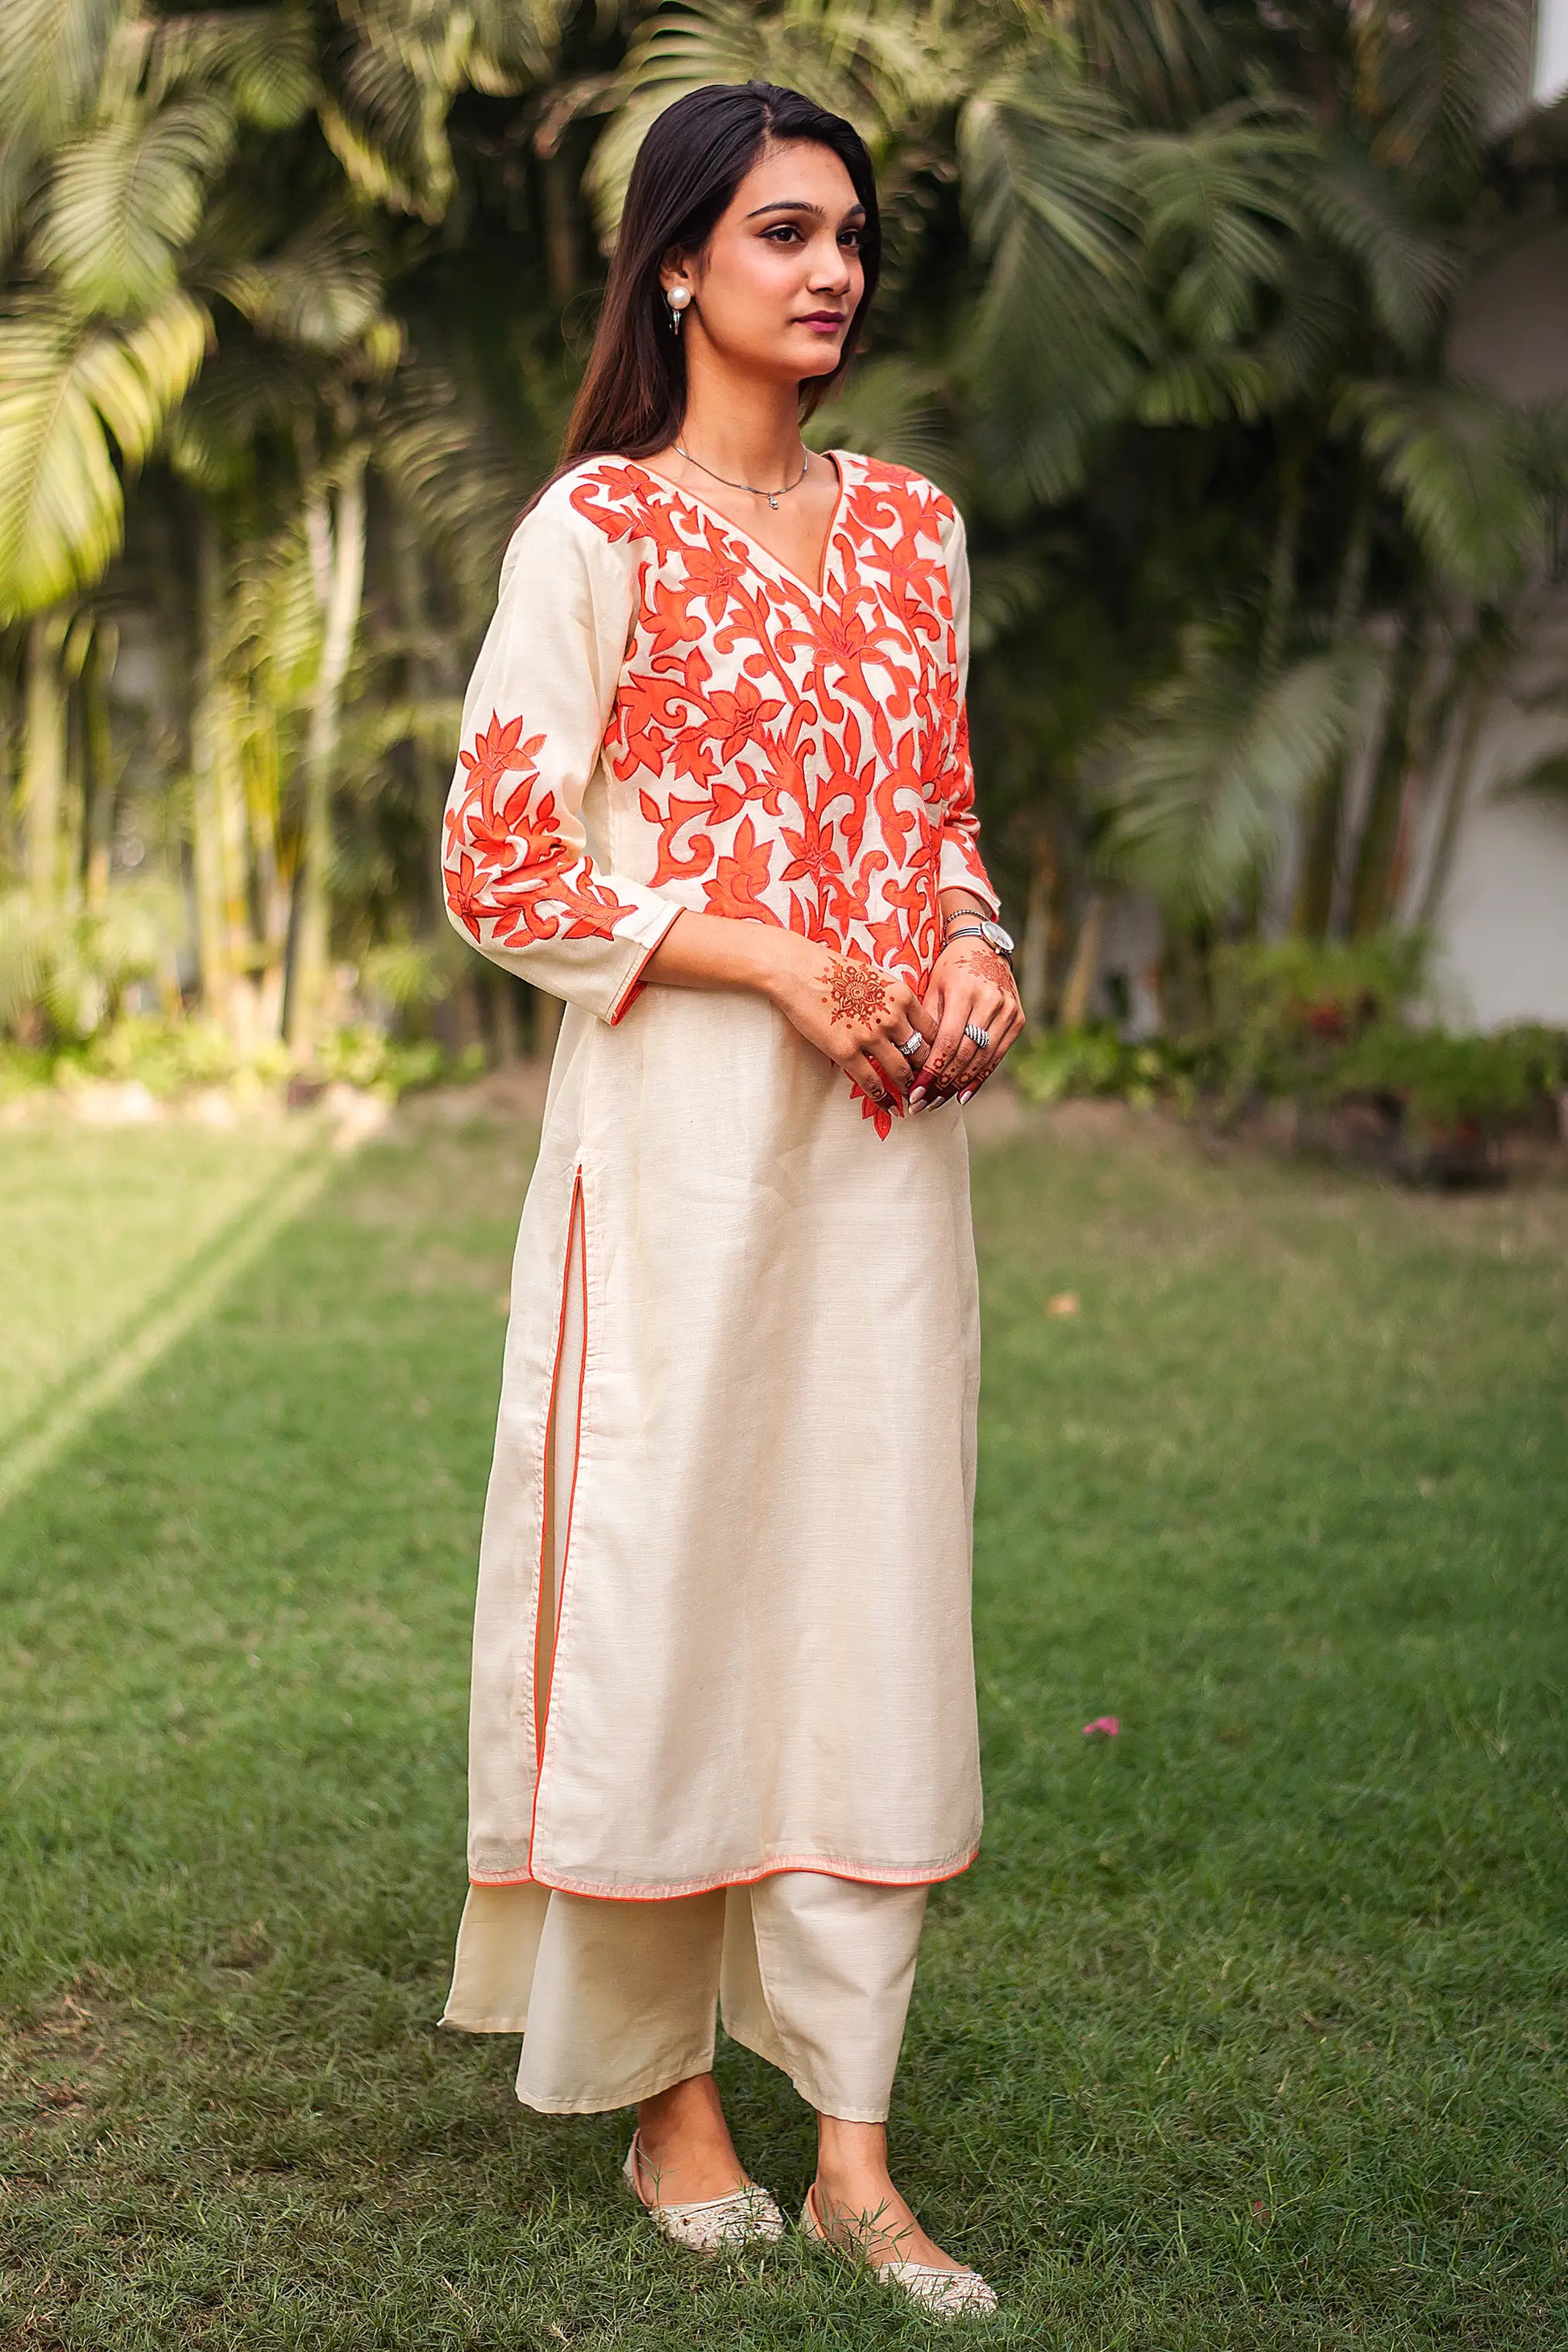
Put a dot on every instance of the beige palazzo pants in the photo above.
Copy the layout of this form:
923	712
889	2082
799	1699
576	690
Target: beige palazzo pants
618	1999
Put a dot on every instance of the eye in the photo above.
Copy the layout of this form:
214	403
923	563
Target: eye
852	238
785	230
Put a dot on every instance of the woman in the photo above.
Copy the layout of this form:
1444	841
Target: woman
714	792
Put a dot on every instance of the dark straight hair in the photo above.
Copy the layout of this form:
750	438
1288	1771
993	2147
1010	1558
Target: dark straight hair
692	160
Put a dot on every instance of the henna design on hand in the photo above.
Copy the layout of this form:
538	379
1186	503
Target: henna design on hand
856	993
987	965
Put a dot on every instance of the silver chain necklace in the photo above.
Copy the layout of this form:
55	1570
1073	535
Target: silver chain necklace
773	496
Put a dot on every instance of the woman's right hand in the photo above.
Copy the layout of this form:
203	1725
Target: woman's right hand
858	1014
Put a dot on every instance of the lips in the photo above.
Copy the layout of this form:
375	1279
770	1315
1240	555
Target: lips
822	319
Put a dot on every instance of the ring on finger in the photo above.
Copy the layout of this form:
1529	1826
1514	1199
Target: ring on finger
911	1045
977	1036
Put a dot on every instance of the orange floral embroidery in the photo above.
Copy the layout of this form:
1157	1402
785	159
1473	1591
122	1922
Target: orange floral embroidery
784	754
509	867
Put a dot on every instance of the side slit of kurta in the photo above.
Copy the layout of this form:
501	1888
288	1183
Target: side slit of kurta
567	1382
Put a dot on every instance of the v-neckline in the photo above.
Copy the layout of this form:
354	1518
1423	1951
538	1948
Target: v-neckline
760	547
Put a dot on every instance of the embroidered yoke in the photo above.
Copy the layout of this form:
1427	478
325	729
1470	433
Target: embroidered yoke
723	1626
742	744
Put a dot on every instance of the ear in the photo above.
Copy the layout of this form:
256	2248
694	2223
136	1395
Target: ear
674	270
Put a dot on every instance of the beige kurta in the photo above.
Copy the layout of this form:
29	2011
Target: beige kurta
761	1658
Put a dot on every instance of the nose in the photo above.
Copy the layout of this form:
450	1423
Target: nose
830	267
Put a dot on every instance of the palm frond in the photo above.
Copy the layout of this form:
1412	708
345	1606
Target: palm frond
1460	460
1407	268
1196	783
248	390
1222	215
322	289
860	61
1167	58
125	201
440	450
890	409
65	389
1007	588
1434	75
262	59
1061	322
51	63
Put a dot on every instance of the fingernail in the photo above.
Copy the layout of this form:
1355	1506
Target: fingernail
917	1096
965	1096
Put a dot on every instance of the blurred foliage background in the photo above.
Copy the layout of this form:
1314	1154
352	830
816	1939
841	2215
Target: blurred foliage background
295	297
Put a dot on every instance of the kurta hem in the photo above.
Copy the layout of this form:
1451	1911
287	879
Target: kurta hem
865	1874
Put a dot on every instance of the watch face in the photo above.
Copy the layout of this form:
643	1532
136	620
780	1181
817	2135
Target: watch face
995	936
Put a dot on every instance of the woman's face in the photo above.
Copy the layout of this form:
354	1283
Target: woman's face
781	277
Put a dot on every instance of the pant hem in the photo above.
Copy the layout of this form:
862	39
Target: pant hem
699	2062
839	2115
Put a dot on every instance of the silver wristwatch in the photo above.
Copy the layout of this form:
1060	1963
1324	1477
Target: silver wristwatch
982	928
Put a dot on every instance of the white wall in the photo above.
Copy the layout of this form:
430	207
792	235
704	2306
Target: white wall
1551	51
1502	936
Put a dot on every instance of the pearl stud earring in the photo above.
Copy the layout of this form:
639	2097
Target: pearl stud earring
678	298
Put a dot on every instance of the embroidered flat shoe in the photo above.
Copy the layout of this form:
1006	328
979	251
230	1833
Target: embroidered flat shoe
747	2217
944	2294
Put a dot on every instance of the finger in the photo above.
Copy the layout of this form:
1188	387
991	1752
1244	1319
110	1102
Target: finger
936	1071
885	1056
1003	1040
909	1029
871	1079
967	1053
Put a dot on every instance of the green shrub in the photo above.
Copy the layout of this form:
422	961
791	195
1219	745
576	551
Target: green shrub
1286	1012
1446	1083
1097	1062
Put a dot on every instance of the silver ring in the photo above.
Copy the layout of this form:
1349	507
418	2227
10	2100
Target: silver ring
981	1037
911	1046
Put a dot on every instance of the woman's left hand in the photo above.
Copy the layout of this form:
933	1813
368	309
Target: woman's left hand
970	987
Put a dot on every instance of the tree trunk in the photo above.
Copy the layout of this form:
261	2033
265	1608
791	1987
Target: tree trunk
44	759
1035	955
340	620
1455	801
1314	906
99	776
1378	850
1085	966
1283	561
207	764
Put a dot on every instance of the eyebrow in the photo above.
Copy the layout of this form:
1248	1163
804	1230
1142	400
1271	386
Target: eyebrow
800	204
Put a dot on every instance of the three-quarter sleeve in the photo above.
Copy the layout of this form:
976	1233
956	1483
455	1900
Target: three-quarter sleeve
523	882
962	867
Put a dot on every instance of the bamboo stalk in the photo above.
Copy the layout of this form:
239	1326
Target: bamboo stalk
346	589
1085	963
44	758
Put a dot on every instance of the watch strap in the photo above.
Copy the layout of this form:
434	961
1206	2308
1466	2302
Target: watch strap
972	931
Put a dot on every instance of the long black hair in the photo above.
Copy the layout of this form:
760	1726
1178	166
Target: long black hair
692	160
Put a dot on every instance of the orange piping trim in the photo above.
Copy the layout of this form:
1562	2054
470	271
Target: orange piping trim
862	1877
576	1228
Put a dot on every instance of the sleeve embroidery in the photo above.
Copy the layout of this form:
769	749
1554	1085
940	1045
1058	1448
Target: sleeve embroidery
512	874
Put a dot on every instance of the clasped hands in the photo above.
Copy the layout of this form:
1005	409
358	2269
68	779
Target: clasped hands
902	1050
906	1052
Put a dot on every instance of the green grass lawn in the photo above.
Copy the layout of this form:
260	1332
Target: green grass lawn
1248	2029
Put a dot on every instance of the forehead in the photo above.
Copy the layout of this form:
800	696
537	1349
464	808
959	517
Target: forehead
797	170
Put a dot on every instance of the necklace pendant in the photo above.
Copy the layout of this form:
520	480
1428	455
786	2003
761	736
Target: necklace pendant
773	502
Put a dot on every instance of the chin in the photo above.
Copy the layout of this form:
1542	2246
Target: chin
820	360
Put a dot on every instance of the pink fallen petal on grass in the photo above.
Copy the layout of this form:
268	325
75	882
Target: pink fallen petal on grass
1064	1303
1108	1727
